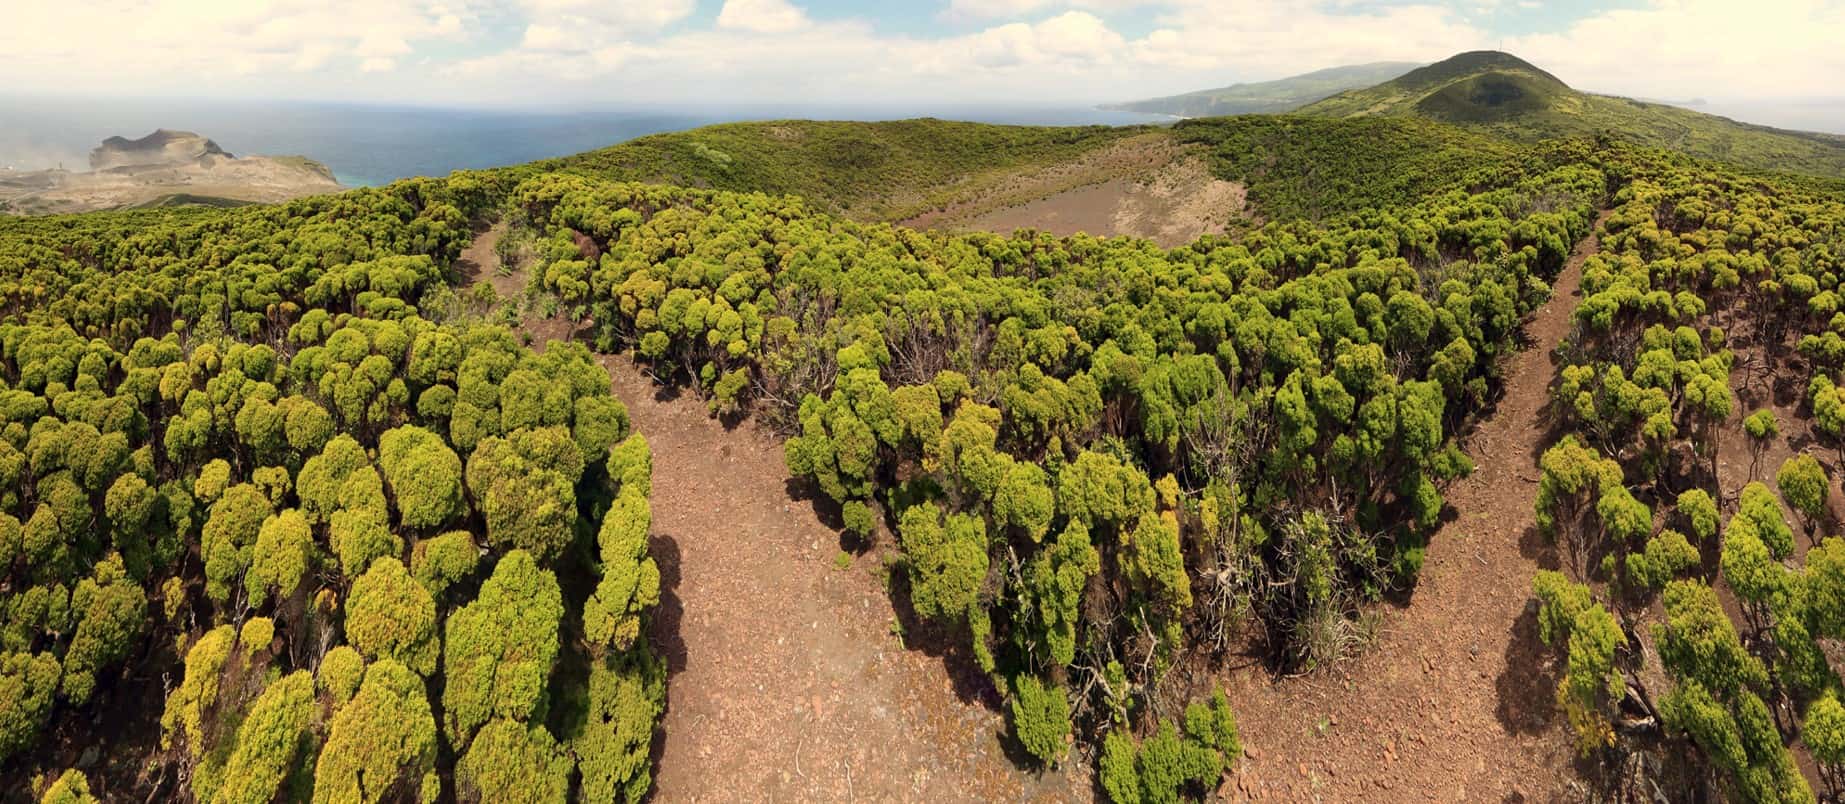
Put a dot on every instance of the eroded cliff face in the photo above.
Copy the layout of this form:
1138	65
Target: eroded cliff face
164	147
162	169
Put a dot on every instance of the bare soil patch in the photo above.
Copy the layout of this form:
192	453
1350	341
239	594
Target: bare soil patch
480	262
1146	186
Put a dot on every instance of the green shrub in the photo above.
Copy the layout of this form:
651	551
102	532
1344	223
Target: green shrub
382	743
498	650
390	615
1040	718
1668	554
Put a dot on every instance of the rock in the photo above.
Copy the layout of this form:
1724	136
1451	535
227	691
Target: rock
163	147
88	758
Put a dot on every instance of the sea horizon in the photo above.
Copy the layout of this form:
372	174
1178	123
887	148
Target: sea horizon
368	145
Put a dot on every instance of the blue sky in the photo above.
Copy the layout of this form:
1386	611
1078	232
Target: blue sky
603	53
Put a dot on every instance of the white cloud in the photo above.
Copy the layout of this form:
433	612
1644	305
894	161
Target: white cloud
631	17
1701	48
761	16
1073	37
600	52
1011	9
1257	41
214	45
539	36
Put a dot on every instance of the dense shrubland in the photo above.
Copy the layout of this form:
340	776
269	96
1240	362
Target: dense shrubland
1099	459
376	547
1712	292
381	549
1319	169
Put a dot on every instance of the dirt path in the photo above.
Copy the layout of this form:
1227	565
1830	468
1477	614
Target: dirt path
1456	700
786	681
481	261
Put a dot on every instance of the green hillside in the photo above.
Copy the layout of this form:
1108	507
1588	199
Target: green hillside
1294	167
1507	96
871	171
1314	168
1269	97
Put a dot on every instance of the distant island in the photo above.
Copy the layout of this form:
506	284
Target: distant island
165	168
1269	97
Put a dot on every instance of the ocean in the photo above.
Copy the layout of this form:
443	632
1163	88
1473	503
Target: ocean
371	145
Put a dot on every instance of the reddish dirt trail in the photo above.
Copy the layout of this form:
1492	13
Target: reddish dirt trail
787	684
1456	699
785	681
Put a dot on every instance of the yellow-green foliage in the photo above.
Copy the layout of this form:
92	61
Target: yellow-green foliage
525	486
231	531
214	478
1040	718
283	556
381	743
512	762
610	722
322	479
498	650
1824	731
444	560
256	635
341	670
424	475
630	465
28	684
1668	554
71	787
630	583
390	615
110	612
1167	767
271	742
197	692
1803	484
948	561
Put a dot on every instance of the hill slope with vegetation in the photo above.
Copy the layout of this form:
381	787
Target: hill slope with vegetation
1503	95
1269	97
868	171
1315	168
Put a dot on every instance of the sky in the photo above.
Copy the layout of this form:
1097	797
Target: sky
588	54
